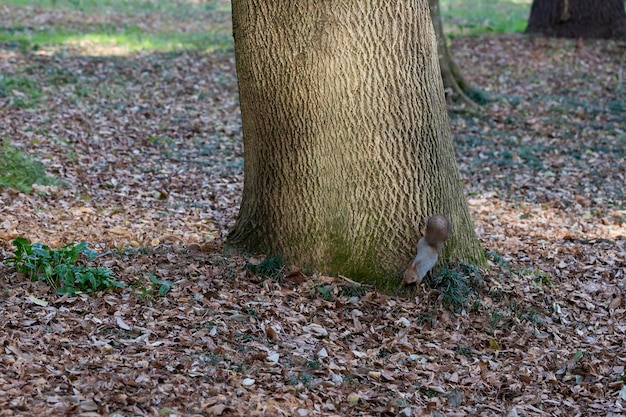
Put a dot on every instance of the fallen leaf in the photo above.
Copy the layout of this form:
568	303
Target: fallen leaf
38	301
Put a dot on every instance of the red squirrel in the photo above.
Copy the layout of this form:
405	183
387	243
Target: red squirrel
428	247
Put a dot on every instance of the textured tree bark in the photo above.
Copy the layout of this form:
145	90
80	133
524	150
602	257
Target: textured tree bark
578	18
346	135
456	86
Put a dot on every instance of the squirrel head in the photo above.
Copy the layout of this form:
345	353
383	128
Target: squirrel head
437	230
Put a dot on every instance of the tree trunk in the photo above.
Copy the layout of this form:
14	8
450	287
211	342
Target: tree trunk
346	135
457	88
578	18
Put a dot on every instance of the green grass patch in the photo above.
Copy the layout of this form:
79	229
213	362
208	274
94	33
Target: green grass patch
461	17
175	8
206	26
106	41
133	39
272	268
19	90
457	285
19	171
30	39
475	17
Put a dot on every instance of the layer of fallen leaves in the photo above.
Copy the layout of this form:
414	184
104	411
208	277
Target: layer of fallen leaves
150	149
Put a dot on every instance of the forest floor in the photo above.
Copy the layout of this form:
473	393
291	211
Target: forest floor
149	149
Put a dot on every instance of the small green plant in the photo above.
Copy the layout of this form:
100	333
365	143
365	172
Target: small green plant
428	393
464	350
353	290
383	353
543	278
313	364
531	317
157	288
65	268
303	378
495	319
240	367
213	359
425	318
348	379
538	277
139	289
272	268
497	294
324	290
497	258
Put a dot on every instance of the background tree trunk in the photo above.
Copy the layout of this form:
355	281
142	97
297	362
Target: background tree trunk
456	86
346	135
578	18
